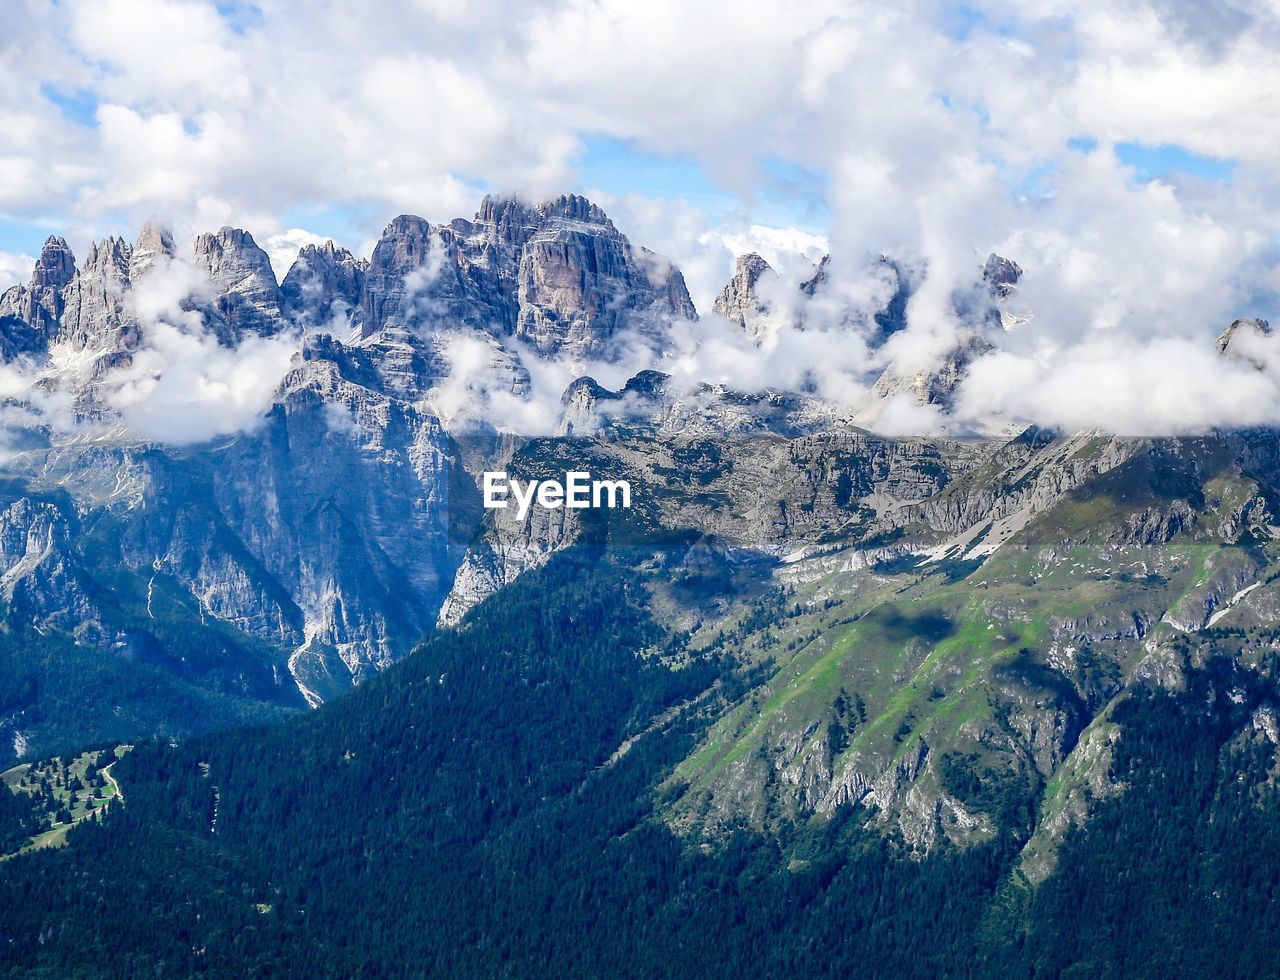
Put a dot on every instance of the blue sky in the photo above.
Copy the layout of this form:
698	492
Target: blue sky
785	195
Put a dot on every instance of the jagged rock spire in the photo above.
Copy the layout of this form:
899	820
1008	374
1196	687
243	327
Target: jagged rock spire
1240	339
558	275
154	245
56	265
739	302
323	281
1001	274
32	311
248	296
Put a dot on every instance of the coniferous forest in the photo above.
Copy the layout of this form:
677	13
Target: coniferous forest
466	814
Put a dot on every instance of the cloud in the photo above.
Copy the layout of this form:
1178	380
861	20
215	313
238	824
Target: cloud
283	248
14	268
1125	386
933	138
181	385
184	388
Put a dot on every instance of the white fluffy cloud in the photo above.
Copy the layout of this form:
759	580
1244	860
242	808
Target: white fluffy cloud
937	132
14	268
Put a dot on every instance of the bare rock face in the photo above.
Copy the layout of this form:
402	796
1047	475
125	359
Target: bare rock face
582	285
327	532
1001	274
31	312
938	385
425	287
1242	338
40	581
557	275
96	317
247	298
358	546
323	284
739	302
154	247
580	406
400	266
55	267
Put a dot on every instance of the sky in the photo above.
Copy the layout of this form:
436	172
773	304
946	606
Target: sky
1124	153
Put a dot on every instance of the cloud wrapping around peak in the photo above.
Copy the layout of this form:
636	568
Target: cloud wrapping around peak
935	133
181	385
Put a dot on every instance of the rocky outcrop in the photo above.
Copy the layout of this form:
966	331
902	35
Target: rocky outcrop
558	276
585	406
96	318
247	298
1001	275
582	288
41	583
153	249
1244	340
936	385
323	285
403	265
740	302
33	311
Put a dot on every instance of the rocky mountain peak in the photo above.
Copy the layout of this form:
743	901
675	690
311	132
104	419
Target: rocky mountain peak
510	220
581	284
247	296
579	415
648	384
229	252
388	291
94	317
109	258
574	207
323	281
404	245
31	312
557	274
739	301
1001	274
584	390
1238	340
56	266
154	244
503	220
810	286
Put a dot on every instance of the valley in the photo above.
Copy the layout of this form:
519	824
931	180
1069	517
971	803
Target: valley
808	680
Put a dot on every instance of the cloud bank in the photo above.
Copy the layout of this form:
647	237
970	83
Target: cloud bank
1125	154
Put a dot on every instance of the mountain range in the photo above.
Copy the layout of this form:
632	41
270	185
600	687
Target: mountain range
960	644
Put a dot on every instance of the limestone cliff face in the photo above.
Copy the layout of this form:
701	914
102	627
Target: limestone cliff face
558	276
41	581
740	303
330	532
247	298
323	285
32	311
582	286
153	249
95	317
